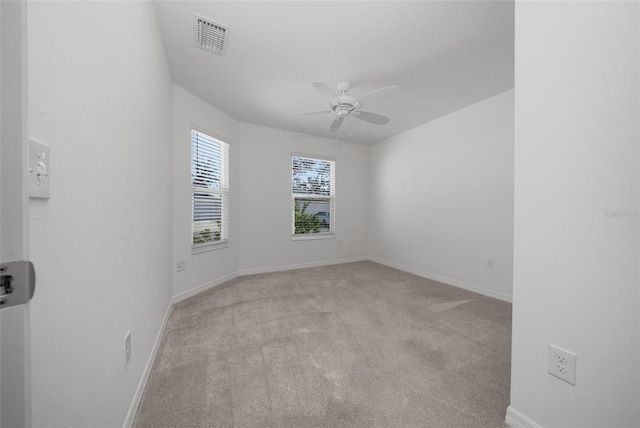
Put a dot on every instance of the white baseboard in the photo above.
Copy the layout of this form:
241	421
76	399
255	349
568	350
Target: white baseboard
255	271
131	414
444	280
516	419
199	289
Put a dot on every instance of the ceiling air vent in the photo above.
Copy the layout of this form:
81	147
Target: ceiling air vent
209	35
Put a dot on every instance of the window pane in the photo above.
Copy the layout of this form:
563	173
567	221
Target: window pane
207	218
207	161
210	188
311	176
312	215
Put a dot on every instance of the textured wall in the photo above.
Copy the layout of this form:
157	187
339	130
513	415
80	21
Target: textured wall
576	212
264	187
260	197
441	198
100	96
202	268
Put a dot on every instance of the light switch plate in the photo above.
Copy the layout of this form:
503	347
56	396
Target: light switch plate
39	170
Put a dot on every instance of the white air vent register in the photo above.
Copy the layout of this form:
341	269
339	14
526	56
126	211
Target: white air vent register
210	35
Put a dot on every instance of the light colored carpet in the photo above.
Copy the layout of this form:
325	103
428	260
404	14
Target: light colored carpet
350	345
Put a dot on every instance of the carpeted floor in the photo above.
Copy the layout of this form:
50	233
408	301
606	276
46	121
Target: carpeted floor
349	345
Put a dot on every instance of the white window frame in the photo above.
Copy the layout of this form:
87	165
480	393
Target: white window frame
213	146
331	198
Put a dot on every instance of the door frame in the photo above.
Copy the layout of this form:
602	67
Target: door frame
15	340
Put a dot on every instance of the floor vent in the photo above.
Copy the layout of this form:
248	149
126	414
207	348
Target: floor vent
209	35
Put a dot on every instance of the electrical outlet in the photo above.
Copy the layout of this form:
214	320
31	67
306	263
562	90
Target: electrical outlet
491	264
339	244
562	359
181	265
562	364
127	348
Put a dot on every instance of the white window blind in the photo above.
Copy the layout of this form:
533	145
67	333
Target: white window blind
313	195
209	189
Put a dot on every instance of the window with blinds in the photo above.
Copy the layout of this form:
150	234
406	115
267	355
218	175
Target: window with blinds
313	196
209	190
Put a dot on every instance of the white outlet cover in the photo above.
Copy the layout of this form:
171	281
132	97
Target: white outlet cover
562	364
39	170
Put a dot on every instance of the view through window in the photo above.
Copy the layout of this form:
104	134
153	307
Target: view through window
209	189
313	195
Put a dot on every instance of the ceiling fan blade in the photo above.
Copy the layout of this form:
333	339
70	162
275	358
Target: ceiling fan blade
378	119
379	95
323	88
309	113
336	124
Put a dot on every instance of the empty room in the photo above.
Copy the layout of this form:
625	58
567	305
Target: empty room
320	214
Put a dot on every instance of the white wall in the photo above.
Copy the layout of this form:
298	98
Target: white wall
100	96
260	220
264	189
576	159
441	198
212	266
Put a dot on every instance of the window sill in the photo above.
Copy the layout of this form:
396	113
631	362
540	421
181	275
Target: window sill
313	236
209	247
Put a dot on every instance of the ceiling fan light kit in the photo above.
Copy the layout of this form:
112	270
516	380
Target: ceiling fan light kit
342	113
344	105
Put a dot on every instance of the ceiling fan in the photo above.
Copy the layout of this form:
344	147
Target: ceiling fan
344	105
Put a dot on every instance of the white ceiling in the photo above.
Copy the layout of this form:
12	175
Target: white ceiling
443	56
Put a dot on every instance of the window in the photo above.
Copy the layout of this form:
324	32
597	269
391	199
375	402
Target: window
209	190
313	196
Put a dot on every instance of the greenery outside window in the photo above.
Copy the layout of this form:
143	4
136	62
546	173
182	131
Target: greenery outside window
209	190
313	196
